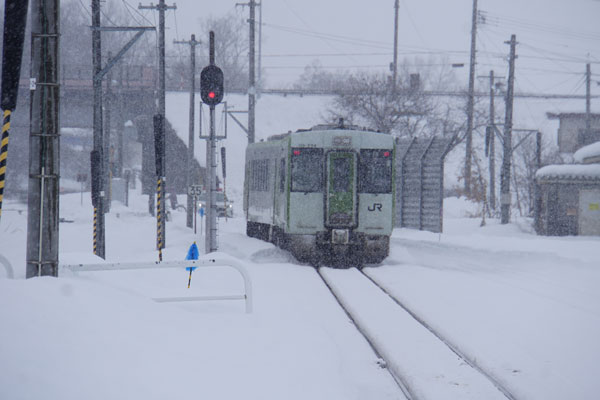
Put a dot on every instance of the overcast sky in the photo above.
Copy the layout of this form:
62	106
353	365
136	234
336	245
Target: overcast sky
555	36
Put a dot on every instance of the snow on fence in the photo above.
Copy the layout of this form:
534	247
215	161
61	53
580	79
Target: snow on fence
208	262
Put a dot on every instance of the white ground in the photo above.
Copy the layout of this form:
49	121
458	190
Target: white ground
524	307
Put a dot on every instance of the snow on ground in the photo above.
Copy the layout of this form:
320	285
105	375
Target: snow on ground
524	307
99	335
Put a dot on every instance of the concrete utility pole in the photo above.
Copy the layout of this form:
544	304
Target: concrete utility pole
161	7
120	125
471	102
108	157
259	81
492	154
395	66
190	155
588	102
99	227
505	195
44	161
251	70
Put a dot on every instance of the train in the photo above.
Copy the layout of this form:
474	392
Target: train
326	194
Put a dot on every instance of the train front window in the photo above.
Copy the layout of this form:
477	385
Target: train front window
342	174
307	170
375	171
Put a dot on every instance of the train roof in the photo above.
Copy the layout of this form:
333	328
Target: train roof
324	127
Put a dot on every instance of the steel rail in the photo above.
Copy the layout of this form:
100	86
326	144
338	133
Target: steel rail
455	349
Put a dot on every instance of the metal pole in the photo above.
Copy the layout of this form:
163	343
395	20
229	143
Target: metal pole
120	126
44	161
470	102
211	165
108	156
395	71
99	236
161	7
505	195
260	5
161	108
190	154
211	222
588	95
492	156
252	82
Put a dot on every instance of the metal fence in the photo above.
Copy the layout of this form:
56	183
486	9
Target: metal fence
420	182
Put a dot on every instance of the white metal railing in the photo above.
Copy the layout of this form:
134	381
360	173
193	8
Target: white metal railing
214	261
9	271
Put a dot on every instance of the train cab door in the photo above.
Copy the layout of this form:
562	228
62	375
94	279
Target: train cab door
340	202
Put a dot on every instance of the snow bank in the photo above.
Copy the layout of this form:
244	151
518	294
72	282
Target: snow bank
592	150
573	171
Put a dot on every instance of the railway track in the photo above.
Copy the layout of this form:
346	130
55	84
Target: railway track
423	363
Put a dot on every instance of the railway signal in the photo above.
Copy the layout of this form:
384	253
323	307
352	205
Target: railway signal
211	85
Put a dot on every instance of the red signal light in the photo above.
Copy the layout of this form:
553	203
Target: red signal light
296	152
386	154
211	95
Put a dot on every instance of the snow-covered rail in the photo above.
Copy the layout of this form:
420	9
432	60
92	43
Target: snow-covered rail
424	364
213	261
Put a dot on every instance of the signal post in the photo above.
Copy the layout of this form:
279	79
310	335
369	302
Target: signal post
211	92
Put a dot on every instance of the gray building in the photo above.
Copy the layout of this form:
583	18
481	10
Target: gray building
569	195
572	132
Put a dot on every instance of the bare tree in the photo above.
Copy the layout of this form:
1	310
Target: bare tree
371	99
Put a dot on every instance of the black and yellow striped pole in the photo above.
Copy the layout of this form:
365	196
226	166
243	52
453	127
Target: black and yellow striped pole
4	154
159	205
159	154
15	18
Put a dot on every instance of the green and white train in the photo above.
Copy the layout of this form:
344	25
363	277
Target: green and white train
326	194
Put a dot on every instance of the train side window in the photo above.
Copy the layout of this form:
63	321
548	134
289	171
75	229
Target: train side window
259	175
282	175
375	171
307	170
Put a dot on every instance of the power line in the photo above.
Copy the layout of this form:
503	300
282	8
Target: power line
513	22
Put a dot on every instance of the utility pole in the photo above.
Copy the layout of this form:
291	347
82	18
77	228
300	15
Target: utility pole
120	125
492	156
251	69
108	155
506	161
588	102
492	144
471	102
98	170
259	84
44	143
161	7
190	155
395	66
251	82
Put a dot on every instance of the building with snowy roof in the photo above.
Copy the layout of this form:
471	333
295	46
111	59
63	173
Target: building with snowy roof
569	195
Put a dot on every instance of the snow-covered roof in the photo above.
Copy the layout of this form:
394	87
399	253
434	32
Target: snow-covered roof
581	172
589	151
